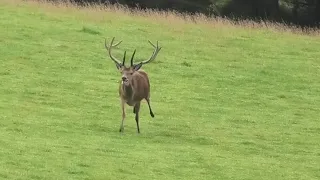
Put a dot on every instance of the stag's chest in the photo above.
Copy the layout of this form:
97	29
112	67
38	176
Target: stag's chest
126	93
129	100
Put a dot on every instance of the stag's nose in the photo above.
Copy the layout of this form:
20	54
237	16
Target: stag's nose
124	78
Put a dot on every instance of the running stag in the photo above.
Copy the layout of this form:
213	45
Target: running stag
134	85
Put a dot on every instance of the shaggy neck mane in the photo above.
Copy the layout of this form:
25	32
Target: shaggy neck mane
127	90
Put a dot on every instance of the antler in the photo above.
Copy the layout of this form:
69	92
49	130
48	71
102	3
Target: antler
134	52
109	51
154	54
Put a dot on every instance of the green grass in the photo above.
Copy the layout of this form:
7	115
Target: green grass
230	102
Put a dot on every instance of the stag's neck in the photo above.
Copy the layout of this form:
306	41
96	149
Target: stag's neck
127	91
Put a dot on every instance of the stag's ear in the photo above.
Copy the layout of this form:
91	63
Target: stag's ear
119	66
136	67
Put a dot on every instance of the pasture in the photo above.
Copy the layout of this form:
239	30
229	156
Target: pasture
230	101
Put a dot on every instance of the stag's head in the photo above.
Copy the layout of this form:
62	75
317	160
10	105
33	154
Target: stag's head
127	73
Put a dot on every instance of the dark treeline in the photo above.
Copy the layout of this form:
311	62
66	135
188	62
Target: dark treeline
299	12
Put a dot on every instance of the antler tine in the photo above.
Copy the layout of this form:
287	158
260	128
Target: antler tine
111	43
109	50
124	58
134	52
152	43
154	54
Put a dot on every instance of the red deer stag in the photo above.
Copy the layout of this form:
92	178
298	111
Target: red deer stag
134	84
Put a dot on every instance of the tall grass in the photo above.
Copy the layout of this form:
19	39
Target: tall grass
93	10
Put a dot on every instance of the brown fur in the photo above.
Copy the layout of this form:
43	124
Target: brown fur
138	89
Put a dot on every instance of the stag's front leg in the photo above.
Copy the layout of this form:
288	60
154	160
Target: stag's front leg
137	109
123	115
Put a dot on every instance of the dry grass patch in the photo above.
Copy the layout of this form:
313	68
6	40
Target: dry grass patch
102	12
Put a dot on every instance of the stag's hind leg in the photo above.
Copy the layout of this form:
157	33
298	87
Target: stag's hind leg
136	110
123	115
148	101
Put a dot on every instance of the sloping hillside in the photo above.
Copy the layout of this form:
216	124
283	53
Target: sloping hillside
230	102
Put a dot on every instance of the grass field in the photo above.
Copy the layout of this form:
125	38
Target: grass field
230	102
